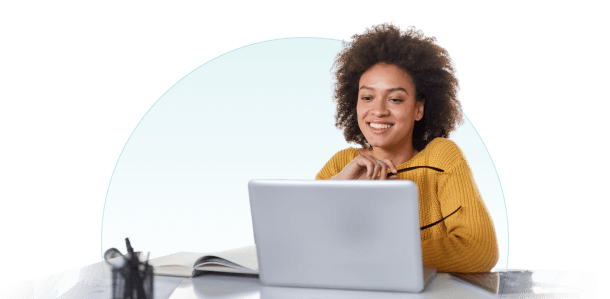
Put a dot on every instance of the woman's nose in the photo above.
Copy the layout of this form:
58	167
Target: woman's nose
379	108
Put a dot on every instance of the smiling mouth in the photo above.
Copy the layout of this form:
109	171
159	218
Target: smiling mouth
380	126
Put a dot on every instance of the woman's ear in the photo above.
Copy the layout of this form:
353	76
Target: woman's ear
419	109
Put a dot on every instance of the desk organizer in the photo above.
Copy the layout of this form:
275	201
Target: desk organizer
131	278
131	282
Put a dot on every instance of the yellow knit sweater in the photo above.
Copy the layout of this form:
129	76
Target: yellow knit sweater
466	240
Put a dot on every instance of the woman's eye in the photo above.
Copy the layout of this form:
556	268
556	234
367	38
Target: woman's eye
366	98
396	100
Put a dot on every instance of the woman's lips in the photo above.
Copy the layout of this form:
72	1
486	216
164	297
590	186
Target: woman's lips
379	128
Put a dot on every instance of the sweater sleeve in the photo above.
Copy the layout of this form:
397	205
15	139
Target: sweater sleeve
470	244
336	164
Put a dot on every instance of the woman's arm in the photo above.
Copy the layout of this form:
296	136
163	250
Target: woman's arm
470	244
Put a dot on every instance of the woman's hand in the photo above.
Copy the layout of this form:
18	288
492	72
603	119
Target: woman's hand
366	167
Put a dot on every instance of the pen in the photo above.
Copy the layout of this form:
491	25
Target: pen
135	273
129	279
129	248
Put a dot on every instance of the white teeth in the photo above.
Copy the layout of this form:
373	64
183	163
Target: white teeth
379	126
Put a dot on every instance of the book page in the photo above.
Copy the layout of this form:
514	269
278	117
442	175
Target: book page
216	261
221	268
177	264
185	259
244	258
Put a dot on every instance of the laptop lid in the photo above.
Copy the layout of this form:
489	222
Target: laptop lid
337	234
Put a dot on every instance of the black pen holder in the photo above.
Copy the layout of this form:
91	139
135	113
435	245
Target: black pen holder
132	282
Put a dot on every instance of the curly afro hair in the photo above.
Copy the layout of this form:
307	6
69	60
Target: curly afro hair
428	65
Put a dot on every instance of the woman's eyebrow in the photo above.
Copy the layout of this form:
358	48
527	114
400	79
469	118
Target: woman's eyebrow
389	90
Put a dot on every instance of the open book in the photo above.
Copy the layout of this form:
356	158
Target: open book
189	264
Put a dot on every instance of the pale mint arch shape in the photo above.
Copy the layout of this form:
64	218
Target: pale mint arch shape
263	111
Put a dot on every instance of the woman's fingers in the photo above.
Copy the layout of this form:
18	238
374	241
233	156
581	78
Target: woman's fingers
364	162
377	171
380	168
366	167
374	167
370	164
387	165
384	170
391	166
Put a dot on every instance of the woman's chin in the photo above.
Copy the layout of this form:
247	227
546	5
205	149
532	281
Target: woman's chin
378	144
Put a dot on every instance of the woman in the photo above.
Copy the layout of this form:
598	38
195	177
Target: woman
396	94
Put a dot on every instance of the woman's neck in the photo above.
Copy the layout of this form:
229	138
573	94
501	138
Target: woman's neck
397	157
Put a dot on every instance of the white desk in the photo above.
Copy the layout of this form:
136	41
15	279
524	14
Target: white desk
90	282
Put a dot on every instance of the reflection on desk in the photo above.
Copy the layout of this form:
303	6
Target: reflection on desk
91	282
227	286
536	284
531	284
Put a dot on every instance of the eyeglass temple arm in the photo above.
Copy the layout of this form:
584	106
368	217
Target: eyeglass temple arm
415	167
437	222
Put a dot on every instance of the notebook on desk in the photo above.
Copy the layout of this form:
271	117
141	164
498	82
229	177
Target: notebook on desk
361	235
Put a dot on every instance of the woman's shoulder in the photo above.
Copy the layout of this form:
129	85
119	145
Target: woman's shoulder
343	157
348	153
444	151
441	144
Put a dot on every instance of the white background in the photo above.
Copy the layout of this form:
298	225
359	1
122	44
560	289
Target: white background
168	169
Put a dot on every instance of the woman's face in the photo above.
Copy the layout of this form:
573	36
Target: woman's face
386	108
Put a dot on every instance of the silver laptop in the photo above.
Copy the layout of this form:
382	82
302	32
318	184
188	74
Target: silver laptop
361	235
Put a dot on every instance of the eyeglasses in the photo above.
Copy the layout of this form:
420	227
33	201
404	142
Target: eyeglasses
433	168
